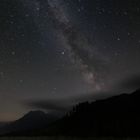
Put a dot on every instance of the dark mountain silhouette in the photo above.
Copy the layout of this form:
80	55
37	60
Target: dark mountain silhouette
115	116
118	116
30	121
2	124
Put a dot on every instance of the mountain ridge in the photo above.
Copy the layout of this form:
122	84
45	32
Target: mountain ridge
117	116
30	121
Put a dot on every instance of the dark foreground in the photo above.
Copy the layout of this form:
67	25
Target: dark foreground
64	138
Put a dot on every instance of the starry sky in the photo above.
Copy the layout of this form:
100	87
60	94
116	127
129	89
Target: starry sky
56	53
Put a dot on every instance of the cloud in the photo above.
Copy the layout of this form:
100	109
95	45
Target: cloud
64	104
49	105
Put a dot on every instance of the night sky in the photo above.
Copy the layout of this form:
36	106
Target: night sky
56	53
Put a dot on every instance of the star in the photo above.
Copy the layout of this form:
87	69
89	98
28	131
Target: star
21	81
37	8
129	33
62	52
2	74
125	13
79	10
13	53
118	39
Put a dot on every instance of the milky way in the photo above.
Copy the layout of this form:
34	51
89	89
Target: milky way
57	53
81	51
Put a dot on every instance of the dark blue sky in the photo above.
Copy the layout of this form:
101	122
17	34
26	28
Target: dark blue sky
55	53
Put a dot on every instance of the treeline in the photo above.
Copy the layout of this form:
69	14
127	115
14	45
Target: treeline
116	116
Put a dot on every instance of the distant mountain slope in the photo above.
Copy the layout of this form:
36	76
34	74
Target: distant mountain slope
2	124
115	116
31	121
